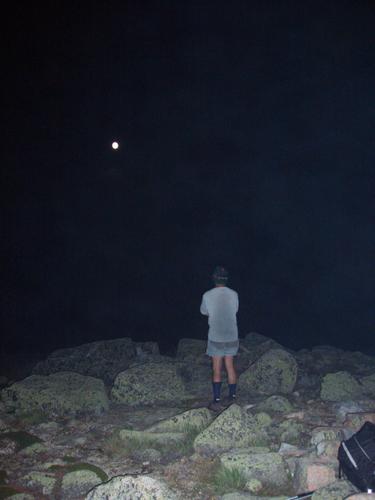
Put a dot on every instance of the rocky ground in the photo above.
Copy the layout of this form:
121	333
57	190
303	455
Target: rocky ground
115	419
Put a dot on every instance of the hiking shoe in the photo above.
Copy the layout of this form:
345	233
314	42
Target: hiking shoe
216	406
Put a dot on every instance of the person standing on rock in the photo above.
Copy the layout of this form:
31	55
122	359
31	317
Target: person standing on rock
220	304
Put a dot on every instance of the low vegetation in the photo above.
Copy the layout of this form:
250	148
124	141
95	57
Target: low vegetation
227	480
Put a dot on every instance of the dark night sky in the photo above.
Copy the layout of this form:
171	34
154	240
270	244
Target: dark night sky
247	133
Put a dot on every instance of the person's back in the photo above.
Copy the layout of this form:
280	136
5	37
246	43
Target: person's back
220	304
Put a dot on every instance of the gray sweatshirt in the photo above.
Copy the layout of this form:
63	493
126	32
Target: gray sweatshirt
220	304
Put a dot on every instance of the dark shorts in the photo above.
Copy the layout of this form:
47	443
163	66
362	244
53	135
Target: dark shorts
222	348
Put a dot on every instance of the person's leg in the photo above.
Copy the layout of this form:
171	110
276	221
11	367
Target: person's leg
232	376
217	364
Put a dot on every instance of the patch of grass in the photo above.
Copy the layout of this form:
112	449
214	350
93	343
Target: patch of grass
80	466
7	491
228	480
191	432
22	439
117	447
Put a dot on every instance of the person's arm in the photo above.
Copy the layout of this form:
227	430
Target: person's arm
204	307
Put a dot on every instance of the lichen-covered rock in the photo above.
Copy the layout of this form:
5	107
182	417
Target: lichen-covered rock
197	418
340	386
132	488
270	469
42	481
103	359
79	482
274	372
233	428
276	403
148	383
60	394
335	491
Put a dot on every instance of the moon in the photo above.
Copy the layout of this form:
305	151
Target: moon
115	145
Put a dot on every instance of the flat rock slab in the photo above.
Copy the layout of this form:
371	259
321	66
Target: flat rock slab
127	487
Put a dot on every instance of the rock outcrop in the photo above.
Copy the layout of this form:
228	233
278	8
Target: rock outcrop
274	372
149	383
61	437
63	393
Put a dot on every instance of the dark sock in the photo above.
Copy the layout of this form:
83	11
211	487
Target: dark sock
232	390
216	387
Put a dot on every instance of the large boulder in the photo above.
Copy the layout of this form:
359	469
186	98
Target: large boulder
274	372
252	347
197	419
77	483
341	386
270	470
59	393
129	488
149	383
103	359
233	428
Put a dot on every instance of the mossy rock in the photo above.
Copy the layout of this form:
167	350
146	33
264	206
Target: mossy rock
273	373
58	394
335	491
144	487
149	383
198	419
42	480
80	480
233	428
341	386
270	469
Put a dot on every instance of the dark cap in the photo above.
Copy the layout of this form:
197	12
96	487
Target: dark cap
220	275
